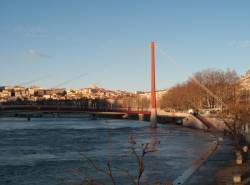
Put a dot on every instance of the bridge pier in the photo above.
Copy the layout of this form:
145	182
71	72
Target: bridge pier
141	117
93	116
125	116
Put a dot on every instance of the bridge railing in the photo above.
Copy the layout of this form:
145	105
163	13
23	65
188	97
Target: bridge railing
71	108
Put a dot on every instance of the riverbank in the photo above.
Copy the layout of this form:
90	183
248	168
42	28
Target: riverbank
198	163
225	175
220	168
206	174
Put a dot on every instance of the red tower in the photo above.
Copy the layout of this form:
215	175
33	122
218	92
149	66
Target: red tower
153	116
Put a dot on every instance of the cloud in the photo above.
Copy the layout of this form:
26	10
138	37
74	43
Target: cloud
30	54
31	31
34	55
240	44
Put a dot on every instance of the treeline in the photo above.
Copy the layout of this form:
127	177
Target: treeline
205	89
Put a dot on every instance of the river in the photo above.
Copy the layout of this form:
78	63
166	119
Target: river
51	151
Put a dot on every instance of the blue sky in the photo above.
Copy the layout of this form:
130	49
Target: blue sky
107	42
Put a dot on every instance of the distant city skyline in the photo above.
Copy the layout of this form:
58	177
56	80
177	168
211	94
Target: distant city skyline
107	42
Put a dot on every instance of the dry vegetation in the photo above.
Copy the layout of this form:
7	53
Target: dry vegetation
205	89
210	89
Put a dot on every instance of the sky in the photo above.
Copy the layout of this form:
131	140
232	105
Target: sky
75	43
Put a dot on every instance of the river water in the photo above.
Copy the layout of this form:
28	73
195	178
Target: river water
51	151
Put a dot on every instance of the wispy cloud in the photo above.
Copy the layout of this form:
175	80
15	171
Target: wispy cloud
240	44
35	55
30	54
31	31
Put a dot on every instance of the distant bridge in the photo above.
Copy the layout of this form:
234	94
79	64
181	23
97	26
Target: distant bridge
29	111
70	109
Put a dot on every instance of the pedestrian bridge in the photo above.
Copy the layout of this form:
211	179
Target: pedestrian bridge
30	111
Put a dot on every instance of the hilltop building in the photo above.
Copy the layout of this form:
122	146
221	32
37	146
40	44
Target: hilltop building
245	87
245	81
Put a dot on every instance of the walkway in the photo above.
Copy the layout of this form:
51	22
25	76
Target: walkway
224	175
206	175
220	167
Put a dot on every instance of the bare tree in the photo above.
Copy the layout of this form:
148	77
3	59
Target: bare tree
205	89
139	155
235	117
146	148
